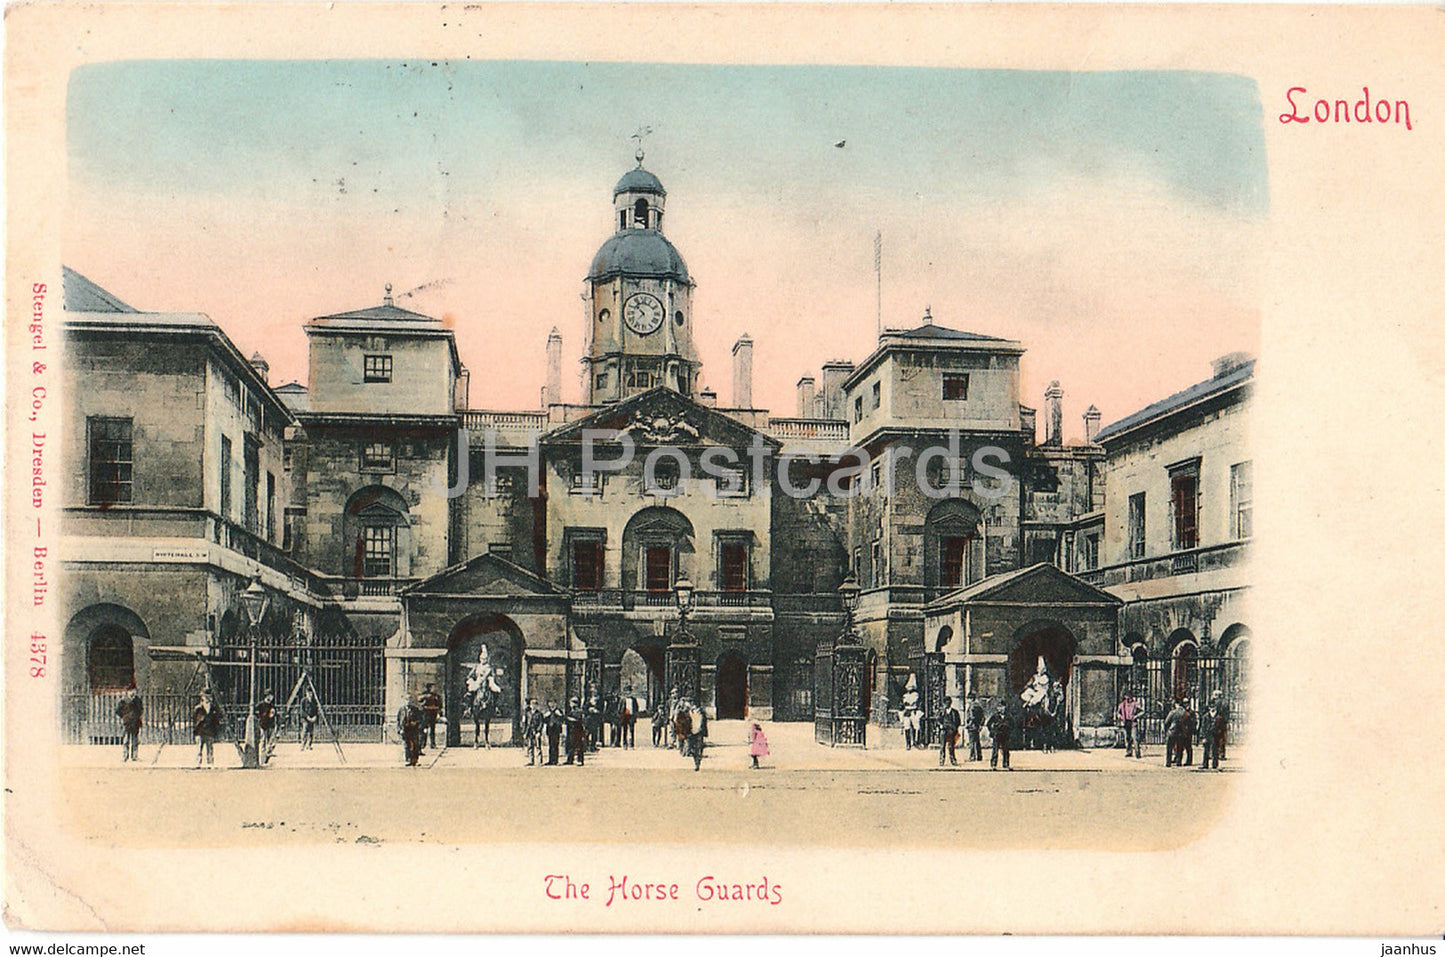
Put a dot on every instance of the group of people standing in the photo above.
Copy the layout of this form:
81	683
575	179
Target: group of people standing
1182	725
974	721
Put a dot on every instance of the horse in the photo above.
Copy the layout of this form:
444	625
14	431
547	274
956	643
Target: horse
480	702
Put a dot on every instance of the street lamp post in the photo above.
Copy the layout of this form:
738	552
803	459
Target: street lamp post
682	661
254	600
839	679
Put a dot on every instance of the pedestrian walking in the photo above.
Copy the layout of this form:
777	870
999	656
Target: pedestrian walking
757	743
998	729
1128	714
409	725
431	712
659	726
265	713
696	734
130	709
973	724
948	724
627	709
553	720
310	714
205	724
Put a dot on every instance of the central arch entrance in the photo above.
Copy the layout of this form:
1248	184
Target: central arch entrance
643	673
1056	646
732	687
503	641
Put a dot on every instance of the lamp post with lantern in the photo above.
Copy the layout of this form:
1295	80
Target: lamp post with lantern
254	600
683	666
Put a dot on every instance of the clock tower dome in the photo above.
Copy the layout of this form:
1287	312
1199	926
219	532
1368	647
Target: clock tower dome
639	300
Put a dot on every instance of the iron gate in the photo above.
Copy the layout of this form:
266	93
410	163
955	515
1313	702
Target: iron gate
349	672
1157	683
838	688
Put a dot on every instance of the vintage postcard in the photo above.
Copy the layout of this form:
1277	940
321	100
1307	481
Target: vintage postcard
922	469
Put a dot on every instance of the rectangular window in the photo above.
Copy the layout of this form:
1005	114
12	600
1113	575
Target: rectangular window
587	565
377	542
658	568
270	506
858	564
953	560
286	459
225	466
1241	499
640	379
377	369
858	409
251	467
1184	505
600	381
733	566
1090	552
955	386
877	394
1136	525
111	448
377	457
877	564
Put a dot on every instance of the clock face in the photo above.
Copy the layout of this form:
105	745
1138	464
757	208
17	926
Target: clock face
643	313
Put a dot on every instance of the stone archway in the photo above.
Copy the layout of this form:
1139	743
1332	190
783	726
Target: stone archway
643	673
1055	645
505	647
103	649
731	695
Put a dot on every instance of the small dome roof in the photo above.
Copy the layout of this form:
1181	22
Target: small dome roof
638	252
638	180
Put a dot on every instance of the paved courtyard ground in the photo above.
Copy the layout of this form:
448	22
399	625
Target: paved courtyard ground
804	794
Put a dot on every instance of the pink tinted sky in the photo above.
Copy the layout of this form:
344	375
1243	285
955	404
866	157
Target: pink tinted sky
1111	222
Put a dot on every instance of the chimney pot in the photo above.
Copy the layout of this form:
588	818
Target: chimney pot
743	372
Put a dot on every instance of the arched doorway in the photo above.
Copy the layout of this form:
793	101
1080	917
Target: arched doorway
1184	666
643	673
103	650
1054	645
503	641
732	687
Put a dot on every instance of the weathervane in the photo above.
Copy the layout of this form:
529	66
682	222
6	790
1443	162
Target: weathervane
642	133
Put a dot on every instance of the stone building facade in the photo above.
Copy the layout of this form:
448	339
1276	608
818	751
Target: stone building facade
374	502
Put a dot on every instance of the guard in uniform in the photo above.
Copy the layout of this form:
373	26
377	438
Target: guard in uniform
431	709
553	720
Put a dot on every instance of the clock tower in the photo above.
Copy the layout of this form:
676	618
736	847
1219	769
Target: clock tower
639	300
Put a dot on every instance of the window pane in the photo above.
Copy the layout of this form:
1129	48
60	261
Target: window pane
377	551
587	565
659	568
733	573
954	551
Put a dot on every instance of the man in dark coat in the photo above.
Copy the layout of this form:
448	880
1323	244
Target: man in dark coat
205	724
1176	733
310	714
431	712
532	731
948	725
998	728
592	715
576	734
129	709
627	708
973	724
409	726
1216	724
266	722
553	720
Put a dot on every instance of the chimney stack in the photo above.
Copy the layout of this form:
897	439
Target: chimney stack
807	392
1028	422
262	367
743	373
552	395
835	372
1054	395
1226	364
1091	424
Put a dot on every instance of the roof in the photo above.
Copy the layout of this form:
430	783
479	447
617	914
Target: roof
82	295
931	331
386	312
638	180
1217	385
1045	582
294	395
638	252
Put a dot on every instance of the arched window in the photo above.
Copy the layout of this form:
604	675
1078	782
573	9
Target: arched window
1186	670
377	528
657	546
639	213
952	557
110	659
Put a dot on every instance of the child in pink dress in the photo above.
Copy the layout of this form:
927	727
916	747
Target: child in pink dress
757	743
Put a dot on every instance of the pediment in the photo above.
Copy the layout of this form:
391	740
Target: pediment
662	417
484	575
1038	584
